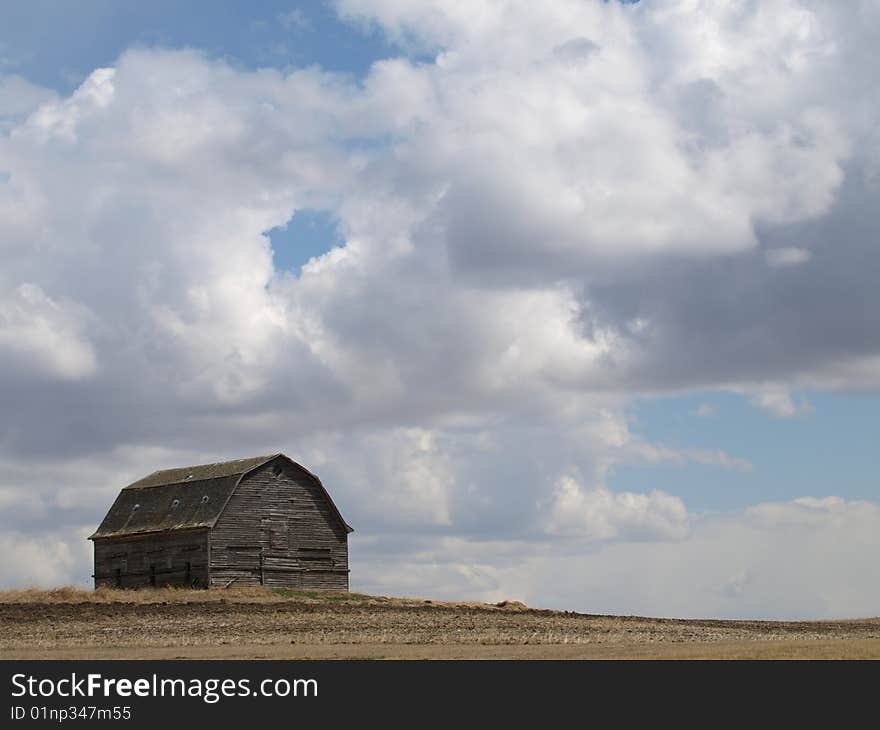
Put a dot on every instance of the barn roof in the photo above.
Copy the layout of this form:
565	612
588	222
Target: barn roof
202	471
184	498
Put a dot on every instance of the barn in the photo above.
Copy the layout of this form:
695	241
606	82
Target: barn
260	521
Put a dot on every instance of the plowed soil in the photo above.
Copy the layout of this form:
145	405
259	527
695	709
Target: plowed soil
257	624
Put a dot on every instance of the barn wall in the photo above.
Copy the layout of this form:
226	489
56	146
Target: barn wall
177	558
278	530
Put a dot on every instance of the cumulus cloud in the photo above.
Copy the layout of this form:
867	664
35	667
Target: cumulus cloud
401	475
552	211
41	334
693	141
599	514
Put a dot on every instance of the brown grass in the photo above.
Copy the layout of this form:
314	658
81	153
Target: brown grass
239	595
258	623
72	594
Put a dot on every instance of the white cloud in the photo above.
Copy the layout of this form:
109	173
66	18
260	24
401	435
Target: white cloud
780	258
599	514
401	475
45	561
779	403
613	136
39	333
655	454
19	97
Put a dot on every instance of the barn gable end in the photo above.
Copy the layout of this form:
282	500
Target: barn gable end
260	521
280	528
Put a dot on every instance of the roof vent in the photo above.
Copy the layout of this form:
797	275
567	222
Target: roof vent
188	476
135	508
205	499
174	503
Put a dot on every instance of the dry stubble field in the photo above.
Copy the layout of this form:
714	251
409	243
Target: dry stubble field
259	624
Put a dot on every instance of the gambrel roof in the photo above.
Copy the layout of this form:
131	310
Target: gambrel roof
201	472
185	498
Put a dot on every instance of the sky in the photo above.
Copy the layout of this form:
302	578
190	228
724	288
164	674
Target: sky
574	304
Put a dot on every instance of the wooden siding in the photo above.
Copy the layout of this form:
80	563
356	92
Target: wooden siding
278	529
178	558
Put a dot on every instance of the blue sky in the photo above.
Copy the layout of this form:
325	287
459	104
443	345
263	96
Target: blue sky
602	274
830	446
58	44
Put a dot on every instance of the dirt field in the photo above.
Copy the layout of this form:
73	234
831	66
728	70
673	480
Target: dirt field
259	624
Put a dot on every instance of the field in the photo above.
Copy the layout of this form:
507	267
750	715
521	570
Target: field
260	624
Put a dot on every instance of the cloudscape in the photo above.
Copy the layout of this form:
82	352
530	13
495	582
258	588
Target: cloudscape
574	303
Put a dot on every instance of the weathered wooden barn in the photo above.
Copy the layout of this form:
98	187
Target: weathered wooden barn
260	521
